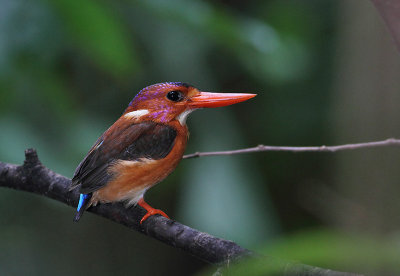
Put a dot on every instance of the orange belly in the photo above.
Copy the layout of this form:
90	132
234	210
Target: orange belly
134	178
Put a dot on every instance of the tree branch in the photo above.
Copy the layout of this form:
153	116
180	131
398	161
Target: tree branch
33	177
262	148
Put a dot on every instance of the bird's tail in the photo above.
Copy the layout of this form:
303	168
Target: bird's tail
84	201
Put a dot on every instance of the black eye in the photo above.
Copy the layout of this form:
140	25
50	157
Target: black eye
175	96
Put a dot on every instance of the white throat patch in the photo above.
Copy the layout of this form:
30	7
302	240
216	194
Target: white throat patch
183	116
136	114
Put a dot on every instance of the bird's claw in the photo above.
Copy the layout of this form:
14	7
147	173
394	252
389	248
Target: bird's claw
153	212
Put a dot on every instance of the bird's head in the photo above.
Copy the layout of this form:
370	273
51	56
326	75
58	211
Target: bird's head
165	102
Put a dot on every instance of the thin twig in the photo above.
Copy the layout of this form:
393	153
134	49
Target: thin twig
262	148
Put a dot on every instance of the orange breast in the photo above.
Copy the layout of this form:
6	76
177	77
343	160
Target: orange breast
133	178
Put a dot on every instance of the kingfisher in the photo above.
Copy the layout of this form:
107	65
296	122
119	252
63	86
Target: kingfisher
143	146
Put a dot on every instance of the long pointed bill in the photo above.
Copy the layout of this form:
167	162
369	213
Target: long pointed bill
208	99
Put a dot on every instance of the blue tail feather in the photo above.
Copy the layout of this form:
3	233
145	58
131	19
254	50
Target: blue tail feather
84	200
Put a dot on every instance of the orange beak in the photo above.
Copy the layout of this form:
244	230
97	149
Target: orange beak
208	99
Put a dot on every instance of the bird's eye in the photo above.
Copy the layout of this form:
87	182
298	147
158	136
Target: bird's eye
175	96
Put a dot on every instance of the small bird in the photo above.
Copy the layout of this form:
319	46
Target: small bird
143	146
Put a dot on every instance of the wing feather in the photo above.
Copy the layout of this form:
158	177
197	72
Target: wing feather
134	141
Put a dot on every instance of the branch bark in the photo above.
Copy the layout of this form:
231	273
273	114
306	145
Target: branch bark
33	177
262	148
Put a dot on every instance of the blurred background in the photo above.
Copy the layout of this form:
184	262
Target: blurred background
326	72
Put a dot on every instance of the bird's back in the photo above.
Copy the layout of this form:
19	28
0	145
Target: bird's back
130	158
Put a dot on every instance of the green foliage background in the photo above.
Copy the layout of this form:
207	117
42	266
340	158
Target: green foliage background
68	69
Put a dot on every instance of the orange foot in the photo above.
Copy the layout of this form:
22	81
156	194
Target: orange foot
150	211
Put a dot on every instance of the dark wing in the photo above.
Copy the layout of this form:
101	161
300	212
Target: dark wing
133	142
